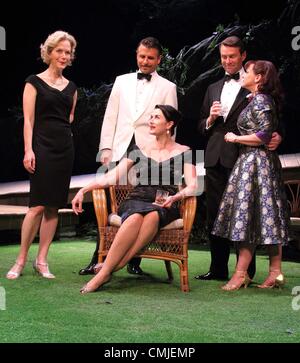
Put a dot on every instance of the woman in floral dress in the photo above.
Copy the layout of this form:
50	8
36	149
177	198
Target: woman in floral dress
253	209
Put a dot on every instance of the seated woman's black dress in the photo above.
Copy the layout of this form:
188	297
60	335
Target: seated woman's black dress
152	175
52	144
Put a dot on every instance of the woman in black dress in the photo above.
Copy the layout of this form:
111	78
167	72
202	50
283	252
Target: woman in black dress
49	101
159	165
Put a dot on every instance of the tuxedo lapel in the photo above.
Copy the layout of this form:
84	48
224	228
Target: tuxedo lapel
238	100
217	90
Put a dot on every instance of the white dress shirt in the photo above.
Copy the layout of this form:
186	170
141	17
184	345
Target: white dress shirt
143	89
229	93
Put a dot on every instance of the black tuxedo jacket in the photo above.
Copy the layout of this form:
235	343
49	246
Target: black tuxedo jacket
217	149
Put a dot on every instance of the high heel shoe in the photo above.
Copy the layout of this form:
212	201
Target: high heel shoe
15	273
244	281
273	281
86	289
46	274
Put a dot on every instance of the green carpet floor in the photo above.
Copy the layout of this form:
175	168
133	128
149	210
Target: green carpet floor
142	309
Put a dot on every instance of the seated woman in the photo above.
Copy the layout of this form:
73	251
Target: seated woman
159	165
253	208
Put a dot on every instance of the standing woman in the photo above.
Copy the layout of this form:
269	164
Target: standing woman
49	101
253	208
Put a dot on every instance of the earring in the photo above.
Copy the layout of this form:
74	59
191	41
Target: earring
168	131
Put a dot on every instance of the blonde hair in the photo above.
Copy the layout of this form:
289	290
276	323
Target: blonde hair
52	41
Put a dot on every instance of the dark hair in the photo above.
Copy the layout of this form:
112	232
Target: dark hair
270	82
171	114
235	42
151	42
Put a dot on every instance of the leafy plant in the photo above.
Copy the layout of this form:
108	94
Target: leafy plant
91	103
174	69
219	30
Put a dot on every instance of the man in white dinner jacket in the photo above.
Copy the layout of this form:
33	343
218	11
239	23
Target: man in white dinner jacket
132	99
131	102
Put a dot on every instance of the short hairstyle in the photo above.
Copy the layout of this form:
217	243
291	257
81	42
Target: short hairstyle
270	83
234	41
151	42
52	41
171	114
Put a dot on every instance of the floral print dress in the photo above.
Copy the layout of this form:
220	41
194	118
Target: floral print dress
253	206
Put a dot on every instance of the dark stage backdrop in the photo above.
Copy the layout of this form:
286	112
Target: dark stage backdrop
107	32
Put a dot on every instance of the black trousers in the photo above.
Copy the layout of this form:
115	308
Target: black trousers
215	183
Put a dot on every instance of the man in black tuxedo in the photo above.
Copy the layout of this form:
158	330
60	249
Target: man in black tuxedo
224	100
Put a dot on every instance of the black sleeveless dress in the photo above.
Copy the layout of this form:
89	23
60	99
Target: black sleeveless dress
152	175
52	143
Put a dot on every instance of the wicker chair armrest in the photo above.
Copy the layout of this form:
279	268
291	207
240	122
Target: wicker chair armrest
100	206
189	211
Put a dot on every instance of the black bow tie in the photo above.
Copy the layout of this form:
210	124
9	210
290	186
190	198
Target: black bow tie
235	76
144	75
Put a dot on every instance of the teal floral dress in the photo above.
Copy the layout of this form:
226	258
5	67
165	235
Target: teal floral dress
254	206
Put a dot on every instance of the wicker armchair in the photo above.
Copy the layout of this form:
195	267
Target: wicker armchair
293	197
170	244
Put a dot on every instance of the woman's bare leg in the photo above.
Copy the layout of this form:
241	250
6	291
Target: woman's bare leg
148	230
30	226
47	232
240	275
275	257
123	241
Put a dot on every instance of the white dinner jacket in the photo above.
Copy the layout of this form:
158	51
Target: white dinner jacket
121	120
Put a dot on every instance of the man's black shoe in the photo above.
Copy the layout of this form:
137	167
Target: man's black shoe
134	270
210	276
88	270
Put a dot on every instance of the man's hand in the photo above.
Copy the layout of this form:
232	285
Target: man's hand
275	141
106	156
215	112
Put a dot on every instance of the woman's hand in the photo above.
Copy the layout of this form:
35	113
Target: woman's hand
169	201
77	202
29	161
230	137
